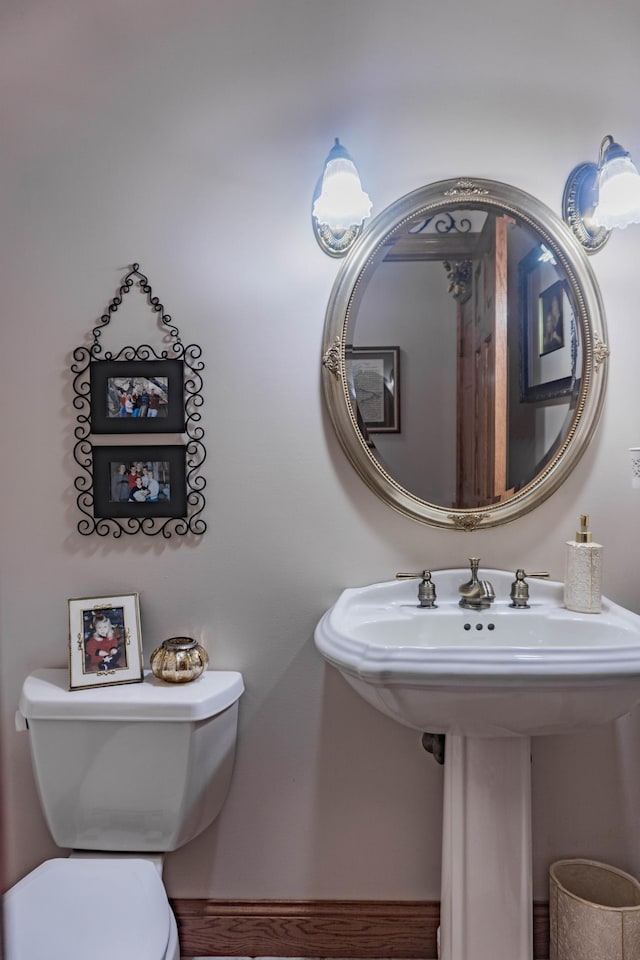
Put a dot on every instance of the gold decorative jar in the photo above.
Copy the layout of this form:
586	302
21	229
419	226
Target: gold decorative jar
179	660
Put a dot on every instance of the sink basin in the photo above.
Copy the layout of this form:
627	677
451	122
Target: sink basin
488	679
495	672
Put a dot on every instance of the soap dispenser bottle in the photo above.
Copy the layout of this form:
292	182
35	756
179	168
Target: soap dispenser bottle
583	572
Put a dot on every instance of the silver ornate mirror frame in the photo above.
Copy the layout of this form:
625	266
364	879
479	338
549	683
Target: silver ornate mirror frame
429	201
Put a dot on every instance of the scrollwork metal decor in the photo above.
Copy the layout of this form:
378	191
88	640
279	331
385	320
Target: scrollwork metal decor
165	494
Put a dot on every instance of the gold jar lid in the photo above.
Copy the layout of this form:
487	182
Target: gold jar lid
179	643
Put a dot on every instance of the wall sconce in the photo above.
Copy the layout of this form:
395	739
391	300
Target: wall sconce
599	197
635	466
340	205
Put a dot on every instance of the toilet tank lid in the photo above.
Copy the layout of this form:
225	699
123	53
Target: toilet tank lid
46	696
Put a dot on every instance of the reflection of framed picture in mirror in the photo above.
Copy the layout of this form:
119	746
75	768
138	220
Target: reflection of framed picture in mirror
139	481
550	351
551	318
137	396
105	645
373	374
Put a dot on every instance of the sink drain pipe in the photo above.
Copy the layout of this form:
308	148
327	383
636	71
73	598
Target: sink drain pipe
433	743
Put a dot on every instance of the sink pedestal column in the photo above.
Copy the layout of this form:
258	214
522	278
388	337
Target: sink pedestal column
486	900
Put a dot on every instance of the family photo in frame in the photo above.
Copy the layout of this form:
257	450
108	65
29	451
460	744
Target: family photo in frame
137	396
140	481
105	644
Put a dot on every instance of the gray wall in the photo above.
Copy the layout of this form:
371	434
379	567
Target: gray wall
427	400
189	136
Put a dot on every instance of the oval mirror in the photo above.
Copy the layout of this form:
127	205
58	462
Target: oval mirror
464	355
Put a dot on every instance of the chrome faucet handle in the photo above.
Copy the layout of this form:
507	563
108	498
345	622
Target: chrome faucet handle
520	588
426	590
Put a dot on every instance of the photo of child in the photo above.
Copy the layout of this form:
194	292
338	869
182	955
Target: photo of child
104	640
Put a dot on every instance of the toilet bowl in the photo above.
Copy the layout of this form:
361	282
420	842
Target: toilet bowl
125	774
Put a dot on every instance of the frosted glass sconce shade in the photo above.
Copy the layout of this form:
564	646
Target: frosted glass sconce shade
599	197
618	190
340	205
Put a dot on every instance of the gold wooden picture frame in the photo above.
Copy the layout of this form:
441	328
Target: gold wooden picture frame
105	642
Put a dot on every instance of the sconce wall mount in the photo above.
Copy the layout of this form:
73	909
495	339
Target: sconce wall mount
579	202
600	196
338	243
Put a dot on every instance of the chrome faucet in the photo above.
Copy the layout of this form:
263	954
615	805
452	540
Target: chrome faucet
476	594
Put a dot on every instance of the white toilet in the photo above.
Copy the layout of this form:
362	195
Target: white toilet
125	774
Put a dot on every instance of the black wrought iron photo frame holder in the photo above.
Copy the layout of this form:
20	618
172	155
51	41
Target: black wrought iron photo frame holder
140	488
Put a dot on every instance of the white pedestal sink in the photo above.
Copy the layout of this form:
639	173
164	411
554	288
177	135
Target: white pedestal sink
489	680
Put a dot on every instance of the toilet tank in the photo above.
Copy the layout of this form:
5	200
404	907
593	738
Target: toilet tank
141	767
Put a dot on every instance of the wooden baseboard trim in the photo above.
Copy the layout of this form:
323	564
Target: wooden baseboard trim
320	928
